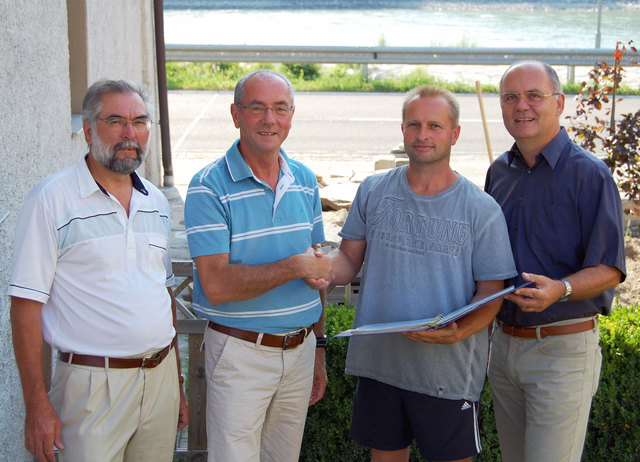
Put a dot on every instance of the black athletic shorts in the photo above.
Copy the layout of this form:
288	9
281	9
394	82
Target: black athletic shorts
389	418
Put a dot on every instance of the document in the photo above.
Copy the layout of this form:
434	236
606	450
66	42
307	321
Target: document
436	322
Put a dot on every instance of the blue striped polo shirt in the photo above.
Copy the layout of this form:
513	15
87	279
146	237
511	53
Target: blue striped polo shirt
229	210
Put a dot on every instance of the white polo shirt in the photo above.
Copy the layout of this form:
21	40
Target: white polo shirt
102	275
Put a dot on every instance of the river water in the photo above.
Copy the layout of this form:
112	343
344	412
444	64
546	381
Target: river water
400	23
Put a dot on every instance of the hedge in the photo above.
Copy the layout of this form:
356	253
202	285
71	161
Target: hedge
614	426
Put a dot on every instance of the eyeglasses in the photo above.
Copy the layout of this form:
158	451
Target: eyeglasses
141	125
259	110
533	98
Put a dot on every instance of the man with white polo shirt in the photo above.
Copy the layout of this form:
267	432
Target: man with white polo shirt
92	275
252	218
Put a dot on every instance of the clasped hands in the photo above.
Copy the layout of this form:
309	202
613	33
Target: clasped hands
318	266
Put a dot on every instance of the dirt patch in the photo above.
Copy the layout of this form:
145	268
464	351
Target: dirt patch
629	291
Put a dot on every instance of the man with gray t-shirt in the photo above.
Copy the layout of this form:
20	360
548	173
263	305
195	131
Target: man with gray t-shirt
431	242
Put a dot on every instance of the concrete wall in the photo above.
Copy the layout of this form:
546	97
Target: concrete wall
121	45
36	131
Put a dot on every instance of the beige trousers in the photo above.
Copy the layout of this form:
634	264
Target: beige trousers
542	390
117	415
257	398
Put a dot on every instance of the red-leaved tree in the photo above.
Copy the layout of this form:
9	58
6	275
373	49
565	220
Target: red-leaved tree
595	127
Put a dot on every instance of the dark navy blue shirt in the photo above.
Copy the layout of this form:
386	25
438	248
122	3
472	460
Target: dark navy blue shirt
563	214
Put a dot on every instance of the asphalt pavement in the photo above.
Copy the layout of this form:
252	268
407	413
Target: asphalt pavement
338	135
331	132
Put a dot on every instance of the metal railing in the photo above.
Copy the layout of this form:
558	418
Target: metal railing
390	55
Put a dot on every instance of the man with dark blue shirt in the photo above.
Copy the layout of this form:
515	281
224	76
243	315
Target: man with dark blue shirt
564	216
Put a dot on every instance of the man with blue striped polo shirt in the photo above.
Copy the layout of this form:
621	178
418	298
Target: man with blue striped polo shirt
252	219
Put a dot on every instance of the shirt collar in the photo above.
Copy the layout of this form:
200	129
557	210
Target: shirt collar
551	152
240	170
88	185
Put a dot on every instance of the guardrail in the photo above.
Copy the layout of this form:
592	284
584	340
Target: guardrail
390	55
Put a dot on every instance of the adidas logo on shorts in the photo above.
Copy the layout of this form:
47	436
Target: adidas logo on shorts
465	406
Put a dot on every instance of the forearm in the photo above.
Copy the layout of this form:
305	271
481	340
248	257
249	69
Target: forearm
346	261
318	327
478	320
470	324
174	315
592	281
586	283
482	317
319	367
318	330
183	414
26	329
233	282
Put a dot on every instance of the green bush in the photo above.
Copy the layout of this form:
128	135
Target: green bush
303	71
326	433
614	427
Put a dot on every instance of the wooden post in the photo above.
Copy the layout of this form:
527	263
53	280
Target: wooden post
484	121
197	395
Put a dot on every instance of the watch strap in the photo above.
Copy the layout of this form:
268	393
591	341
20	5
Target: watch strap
567	293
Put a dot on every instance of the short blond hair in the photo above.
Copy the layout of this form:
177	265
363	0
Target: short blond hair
430	91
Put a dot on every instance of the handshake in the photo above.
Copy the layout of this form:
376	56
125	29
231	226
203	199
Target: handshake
317	268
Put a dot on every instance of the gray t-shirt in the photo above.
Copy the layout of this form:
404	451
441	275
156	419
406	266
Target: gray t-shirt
423	256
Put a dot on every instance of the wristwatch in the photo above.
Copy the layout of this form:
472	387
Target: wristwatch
322	342
567	292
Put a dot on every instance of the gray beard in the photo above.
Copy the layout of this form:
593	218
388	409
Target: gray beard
107	156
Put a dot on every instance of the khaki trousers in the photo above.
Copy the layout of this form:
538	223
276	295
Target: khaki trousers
542	390
257	398
117	415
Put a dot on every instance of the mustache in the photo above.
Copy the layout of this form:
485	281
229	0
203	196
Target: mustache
128	144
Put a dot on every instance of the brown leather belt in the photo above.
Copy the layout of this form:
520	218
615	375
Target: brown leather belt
531	332
276	341
116	363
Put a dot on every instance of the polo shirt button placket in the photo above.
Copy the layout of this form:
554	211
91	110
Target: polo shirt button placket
131	243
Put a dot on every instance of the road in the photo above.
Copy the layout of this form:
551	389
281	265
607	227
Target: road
335	133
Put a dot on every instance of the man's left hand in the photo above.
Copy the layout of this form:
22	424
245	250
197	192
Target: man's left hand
447	335
538	298
320	379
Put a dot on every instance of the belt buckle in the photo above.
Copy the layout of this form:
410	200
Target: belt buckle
285	340
151	360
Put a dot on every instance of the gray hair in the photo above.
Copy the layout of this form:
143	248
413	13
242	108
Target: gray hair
264	73
430	91
92	102
551	73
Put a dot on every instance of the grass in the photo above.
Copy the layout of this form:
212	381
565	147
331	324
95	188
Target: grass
304	77
313	77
